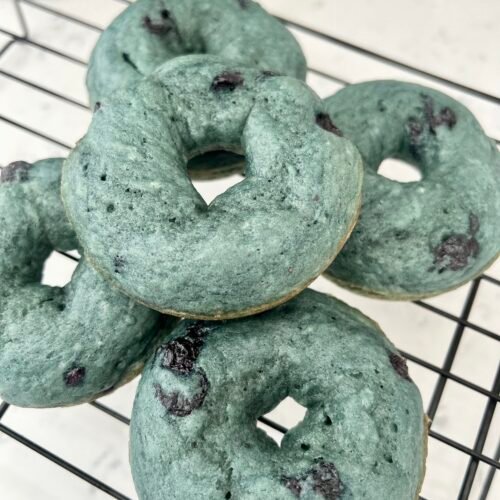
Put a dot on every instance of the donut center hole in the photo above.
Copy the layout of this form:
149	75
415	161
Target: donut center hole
214	172
400	171
58	269
220	159
284	417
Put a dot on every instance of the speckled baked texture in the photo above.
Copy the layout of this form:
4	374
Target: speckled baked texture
421	238
145	227
194	434
59	346
150	32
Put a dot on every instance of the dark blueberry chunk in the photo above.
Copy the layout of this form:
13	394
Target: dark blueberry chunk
16	171
399	365
74	376
197	329
179	405
244	4
180	354
324	478
428	108
415	130
454	252
227	81
119	263
326	481
97	106
446	117
159	27
293	484
325	122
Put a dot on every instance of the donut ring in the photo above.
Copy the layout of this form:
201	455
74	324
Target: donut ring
59	346
193	428
423	238
150	32
144	226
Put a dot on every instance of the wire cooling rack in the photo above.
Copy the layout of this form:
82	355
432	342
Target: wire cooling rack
461	320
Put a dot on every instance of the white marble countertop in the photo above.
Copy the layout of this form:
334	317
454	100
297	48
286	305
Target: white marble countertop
455	39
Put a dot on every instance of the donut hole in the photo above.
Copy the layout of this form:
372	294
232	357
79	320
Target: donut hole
209	189
214	172
400	171
288	414
220	159
58	269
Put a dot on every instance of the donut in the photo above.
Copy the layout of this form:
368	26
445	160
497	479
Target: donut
150	32
144	226
423	238
193	428
59	346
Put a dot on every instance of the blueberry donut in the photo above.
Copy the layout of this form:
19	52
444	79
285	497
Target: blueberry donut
150	32
193	430
420	238
59	346
144	226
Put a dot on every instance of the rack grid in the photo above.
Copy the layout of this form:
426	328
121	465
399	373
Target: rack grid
462	322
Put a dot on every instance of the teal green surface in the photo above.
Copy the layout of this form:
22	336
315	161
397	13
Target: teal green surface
193	429
150	32
59	346
421	238
144	226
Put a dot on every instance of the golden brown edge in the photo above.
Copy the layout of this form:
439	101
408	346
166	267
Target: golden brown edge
374	294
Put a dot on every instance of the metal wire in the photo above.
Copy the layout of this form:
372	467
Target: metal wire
62	463
475	454
388	61
452	350
480	440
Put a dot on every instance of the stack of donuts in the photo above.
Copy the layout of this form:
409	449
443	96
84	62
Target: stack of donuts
210	302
